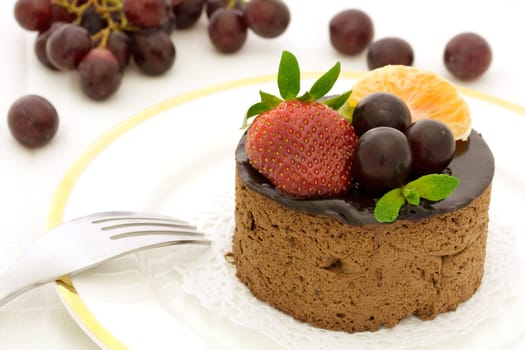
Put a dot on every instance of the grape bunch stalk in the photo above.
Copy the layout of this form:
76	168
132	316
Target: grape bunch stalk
98	38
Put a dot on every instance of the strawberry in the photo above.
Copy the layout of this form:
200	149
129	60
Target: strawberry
304	147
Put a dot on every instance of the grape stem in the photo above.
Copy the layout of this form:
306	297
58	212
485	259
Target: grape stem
110	10
230	4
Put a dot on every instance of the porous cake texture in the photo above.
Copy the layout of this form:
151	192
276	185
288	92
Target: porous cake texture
358	277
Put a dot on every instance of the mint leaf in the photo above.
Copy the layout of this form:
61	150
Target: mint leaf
434	187
337	101
255	109
387	207
411	196
325	82
269	99
289	76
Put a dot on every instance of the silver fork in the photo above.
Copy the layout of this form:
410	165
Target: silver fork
87	241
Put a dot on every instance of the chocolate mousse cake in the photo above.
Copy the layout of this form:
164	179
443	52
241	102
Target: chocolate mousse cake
327	260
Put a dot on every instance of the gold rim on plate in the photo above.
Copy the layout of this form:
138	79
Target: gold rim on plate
65	287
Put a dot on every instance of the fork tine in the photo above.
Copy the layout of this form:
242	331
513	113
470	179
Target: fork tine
145	230
139	227
107	226
153	240
119	225
122	216
132	219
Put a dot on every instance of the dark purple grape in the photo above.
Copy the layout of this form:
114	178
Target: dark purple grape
351	31
267	18
100	74
166	27
227	30
432	145
154	53
187	13
32	120
146	13
170	5
61	14
380	109
33	14
382	159
92	21
40	45
467	56
67	45
389	51
119	43
214	5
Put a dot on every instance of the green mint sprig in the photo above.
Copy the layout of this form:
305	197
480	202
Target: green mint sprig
433	187
289	83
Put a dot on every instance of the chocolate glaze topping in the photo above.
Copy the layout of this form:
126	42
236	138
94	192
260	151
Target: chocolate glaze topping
473	164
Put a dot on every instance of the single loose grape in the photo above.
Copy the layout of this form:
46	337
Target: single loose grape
389	51
227	30
267	18
351	31
467	56
32	120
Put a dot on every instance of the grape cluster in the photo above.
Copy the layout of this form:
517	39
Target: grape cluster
466	56
98	38
391	148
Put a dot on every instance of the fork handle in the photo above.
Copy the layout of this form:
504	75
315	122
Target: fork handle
10	288
14	283
8	293
21	277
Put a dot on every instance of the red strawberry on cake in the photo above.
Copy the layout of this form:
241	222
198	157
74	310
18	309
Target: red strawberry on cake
304	147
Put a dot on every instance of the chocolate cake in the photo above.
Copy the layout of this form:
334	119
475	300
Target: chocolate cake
355	216
329	263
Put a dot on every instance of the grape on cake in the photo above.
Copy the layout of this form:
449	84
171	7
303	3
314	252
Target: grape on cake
354	232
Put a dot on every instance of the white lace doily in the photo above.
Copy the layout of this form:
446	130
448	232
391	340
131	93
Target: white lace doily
212	280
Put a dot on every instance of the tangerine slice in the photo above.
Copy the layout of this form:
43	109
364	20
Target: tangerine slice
427	95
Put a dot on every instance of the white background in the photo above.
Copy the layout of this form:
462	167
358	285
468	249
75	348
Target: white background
28	179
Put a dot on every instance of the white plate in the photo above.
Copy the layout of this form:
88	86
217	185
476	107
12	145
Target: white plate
173	157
